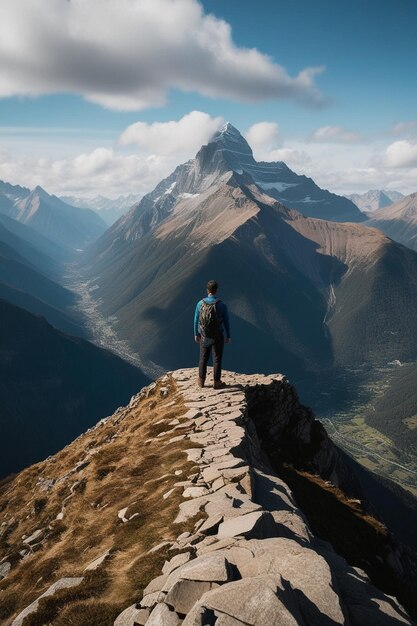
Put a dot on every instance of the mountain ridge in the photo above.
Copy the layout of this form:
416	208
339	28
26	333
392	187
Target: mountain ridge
230	524
66	226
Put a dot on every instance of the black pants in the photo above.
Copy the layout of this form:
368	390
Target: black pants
205	352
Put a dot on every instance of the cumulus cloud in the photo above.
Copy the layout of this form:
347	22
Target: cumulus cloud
184	136
401	154
292	157
127	54
158	149
263	137
263	134
334	134
403	127
102	170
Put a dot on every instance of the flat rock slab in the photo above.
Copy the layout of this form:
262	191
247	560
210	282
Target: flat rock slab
195	492
190	508
210	567
98	561
62	583
211	524
132	616
306	572
162	615
259	525
176	561
185	593
253	602
156	584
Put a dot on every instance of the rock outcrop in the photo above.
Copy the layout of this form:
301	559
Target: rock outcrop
252	558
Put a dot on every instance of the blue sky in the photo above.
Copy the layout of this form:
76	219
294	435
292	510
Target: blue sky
61	95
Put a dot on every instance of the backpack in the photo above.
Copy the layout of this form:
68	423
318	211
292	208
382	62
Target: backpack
208	320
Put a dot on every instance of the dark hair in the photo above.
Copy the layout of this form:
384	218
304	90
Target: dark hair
212	286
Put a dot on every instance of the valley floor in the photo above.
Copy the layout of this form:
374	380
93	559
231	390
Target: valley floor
372	448
101	329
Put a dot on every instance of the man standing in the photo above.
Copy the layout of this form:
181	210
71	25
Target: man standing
210	319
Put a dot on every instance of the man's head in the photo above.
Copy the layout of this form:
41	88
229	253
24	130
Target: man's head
212	287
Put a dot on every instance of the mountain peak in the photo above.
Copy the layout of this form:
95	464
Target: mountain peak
40	191
231	139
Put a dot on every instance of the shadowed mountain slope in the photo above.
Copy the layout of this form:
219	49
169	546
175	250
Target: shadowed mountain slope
42	244
52	387
29	277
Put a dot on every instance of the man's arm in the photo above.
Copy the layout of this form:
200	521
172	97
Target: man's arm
196	316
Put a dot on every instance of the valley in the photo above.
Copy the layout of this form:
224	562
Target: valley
370	442
100	329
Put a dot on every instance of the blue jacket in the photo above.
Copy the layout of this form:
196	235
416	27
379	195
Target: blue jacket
222	314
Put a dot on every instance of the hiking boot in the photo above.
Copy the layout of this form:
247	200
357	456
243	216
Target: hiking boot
218	384
201	382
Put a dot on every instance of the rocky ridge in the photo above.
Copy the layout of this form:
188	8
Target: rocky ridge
252	558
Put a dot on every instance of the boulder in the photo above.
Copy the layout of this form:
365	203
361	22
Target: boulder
254	602
175	562
259	524
185	593
163	616
132	616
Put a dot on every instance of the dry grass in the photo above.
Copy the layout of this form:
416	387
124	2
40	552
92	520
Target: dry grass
124	471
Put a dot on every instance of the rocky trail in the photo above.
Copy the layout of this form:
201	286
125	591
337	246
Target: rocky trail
252	559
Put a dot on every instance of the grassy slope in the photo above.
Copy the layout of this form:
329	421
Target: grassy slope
129	465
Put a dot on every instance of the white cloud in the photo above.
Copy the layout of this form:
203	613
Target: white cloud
334	134
111	170
403	127
263	136
184	136
292	157
127	54
401	154
102	170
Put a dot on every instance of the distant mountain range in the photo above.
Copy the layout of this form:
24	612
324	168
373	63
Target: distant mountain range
53	387
109	209
30	276
375	199
398	221
306	295
68	227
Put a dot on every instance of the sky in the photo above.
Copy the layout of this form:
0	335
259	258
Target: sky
108	96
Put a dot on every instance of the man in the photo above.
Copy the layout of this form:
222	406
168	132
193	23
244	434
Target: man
211	318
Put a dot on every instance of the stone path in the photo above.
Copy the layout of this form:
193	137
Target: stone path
252	559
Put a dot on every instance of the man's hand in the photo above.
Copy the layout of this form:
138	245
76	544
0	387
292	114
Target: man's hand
197	338
228	340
